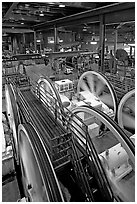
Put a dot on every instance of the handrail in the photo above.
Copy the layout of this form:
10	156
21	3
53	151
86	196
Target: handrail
69	125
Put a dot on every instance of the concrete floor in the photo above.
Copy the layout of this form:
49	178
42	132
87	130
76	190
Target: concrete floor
38	70
10	191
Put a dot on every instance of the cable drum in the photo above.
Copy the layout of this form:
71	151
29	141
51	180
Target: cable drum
126	111
115	149
49	95
101	89
38	177
12	114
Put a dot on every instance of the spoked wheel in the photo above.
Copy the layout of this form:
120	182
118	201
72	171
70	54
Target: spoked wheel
126	112
38	177
12	114
114	149
49	95
101	88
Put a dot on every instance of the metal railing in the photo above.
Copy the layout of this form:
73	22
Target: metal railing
74	128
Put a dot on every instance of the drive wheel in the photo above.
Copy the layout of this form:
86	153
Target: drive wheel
39	180
13	115
100	87
126	112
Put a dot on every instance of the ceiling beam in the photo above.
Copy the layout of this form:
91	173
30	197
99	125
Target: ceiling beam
10	25
17	30
92	15
127	15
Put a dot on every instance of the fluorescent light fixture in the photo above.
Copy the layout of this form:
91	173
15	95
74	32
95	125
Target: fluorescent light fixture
41	14
93	42
60	40
27	5
51	41
133	45
38	40
61	5
22	23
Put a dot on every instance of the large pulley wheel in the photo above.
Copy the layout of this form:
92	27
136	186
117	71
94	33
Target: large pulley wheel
100	87
114	148
12	114
91	116
39	180
126	112
48	94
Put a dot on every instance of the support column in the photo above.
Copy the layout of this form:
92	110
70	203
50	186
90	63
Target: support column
15	45
35	42
55	39
102	43
130	50
24	43
115	49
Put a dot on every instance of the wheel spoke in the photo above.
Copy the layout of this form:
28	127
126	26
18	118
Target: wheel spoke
131	105
50	95
126	111
107	99
100	86
128	121
91	83
84	86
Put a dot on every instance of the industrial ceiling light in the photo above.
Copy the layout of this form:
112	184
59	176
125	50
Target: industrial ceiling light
132	44
61	5
27	6
51	2
60	40
41	13
93	42
84	29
